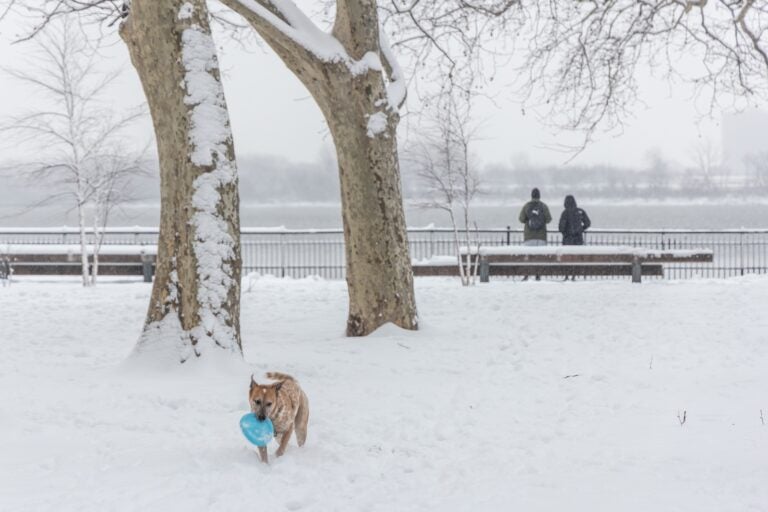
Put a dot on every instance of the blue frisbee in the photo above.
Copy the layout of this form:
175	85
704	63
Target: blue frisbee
256	431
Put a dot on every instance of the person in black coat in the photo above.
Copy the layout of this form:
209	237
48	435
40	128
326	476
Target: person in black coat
573	222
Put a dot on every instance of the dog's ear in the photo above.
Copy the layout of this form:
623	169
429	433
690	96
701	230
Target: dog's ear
253	383
278	386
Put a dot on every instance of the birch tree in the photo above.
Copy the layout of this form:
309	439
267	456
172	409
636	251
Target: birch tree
70	127
114	171
442	159
195	302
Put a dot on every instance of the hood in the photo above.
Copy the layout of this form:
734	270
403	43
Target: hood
570	202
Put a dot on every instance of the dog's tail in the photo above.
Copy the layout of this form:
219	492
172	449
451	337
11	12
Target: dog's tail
302	418
279	376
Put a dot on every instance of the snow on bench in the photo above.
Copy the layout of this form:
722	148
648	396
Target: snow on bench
64	259
583	260
74	249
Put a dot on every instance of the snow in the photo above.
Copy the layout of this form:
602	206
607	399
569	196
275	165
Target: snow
74	249
186	11
377	124
210	121
298	27
583	249
558	250
301	29
369	62
533	396
214	247
397	89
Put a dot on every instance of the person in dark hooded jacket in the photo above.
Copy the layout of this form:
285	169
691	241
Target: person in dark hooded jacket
573	222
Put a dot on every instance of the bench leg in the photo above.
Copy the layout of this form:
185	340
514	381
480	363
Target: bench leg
637	271
146	268
485	272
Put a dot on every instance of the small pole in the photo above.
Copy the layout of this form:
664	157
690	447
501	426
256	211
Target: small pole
509	234
147	267
741	252
485	270
637	271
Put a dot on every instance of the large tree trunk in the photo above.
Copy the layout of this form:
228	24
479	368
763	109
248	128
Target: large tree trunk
379	275
195	302
352	95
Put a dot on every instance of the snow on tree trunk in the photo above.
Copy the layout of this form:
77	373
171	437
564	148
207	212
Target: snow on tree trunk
195	304
355	80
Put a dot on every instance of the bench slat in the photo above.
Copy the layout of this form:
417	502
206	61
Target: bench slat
23	259
73	270
70	265
620	269
598	258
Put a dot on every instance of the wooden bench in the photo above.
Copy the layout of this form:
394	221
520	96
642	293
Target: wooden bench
28	260
565	261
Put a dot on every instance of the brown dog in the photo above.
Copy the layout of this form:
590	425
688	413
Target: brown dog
285	404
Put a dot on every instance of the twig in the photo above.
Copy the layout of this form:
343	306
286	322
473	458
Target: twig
650	365
404	346
682	418
762	419
572	375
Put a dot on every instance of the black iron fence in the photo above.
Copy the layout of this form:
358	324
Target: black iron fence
320	252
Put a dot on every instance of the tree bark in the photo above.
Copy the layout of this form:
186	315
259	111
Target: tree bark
364	129
379	274
195	303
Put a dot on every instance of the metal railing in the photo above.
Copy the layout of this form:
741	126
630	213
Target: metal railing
320	252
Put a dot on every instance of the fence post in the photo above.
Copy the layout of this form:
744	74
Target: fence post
431	243
509	233
741	252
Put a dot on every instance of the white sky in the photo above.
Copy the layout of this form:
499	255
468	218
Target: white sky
273	114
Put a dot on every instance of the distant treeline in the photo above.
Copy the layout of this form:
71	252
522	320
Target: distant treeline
267	179
499	182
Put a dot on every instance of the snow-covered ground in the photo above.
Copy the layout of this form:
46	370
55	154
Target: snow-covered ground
536	396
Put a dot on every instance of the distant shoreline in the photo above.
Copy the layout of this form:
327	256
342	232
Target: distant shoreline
693	213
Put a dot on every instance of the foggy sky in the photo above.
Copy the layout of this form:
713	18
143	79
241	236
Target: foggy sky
272	114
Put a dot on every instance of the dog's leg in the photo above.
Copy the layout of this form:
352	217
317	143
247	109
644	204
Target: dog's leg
284	441
263	454
302	418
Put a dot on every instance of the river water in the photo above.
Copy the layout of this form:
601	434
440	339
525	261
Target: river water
693	215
